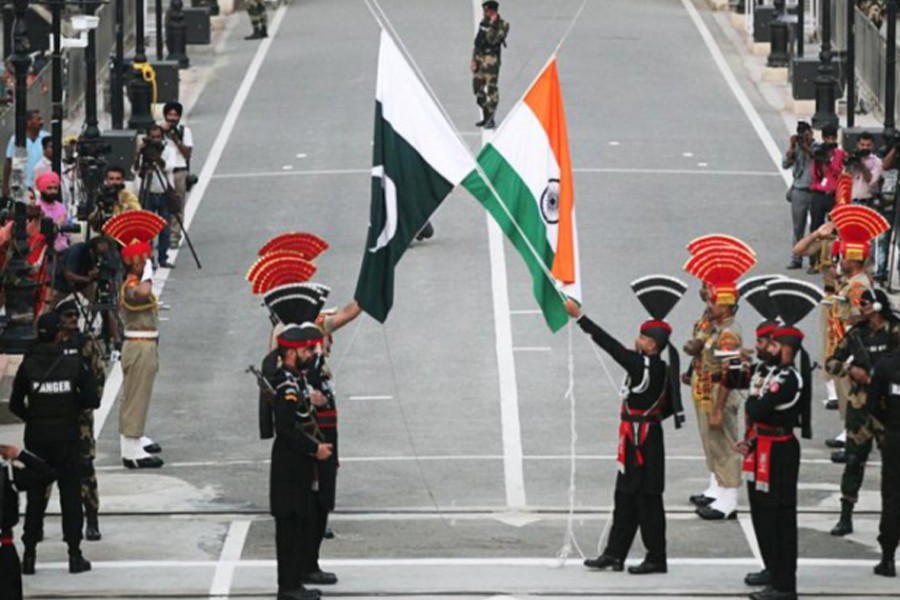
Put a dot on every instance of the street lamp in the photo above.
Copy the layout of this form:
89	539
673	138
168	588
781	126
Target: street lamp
176	34
139	89
118	60
18	333
825	82
779	32
851	63
890	76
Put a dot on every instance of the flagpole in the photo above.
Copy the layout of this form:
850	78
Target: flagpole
385	24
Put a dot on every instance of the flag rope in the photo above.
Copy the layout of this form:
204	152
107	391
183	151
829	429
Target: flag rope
385	23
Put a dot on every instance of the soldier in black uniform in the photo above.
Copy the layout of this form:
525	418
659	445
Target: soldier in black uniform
322	396
57	386
28	471
855	357
884	404
771	452
650	394
295	454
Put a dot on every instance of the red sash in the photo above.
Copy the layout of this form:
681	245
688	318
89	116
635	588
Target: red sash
6	541
633	429
327	419
757	466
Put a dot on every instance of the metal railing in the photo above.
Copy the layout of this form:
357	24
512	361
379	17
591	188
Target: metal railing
871	50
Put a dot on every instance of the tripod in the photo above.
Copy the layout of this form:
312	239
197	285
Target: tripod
150	169
105	309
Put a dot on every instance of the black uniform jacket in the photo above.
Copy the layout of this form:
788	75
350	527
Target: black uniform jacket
644	390
884	393
58	386
293	451
776	411
326	416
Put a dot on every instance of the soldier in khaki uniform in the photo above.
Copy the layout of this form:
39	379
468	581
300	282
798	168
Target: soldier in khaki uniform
491	37
139	310
719	263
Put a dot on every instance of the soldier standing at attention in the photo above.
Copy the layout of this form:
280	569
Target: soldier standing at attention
492	32
884	405
259	19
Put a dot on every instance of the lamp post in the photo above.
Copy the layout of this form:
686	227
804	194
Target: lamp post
18	332
779	32
890	76
851	63
91	126
801	26
825	81
118	60
139	89
176	34
158	10
56	95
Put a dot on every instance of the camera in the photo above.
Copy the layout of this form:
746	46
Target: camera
822	152
50	230
853	159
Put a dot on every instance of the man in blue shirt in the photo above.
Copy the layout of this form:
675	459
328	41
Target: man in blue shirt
33	136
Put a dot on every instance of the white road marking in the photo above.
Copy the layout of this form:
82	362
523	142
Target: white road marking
667	172
758	126
301	155
452	562
532	349
312	173
370	398
687	154
287	167
513	472
530	311
702	164
114	379
614	143
220	588
604	170
473	458
750	535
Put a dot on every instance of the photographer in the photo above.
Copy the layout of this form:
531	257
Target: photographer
799	157
52	208
828	164
183	139
113	199
154	164
86	268
865	167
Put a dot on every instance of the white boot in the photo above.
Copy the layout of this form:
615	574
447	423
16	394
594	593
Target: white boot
726	501
712	490
831	390
842	436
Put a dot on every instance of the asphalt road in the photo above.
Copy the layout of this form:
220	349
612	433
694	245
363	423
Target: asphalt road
429	474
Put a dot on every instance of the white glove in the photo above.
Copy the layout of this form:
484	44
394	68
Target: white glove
148	271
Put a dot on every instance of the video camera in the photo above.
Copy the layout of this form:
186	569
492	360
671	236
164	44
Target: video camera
50	230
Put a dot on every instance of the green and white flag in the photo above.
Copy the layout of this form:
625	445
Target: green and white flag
417	161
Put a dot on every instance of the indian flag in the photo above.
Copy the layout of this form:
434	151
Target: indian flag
417	160
529	168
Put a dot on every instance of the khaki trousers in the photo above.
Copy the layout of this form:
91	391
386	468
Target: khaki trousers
703	429
724	460
140	363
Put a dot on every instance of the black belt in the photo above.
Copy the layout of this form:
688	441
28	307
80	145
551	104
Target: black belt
179	169
773	431
640	418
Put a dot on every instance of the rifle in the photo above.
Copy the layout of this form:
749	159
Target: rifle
266	395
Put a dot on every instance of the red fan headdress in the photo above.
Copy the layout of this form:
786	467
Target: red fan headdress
857	226
135	230
718	240
720	266
844	193
307	244
279	268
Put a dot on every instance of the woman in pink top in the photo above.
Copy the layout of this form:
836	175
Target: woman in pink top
51	207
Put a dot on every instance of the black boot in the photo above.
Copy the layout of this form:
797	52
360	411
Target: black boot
92	527
886	567
489	122
484	118
78	563
845	523
257	34
263	32
604	561
28	559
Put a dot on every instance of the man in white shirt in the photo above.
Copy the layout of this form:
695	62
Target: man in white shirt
179	136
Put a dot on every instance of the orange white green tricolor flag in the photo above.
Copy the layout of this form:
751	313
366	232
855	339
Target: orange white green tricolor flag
528	165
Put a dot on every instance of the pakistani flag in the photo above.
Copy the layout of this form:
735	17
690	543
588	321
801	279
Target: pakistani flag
417	161
531	195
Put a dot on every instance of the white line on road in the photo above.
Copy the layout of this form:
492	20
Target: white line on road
606	170
513	472
750	535
457	458
532	349
453	562
528	311
114	380
370	397
220	588
765	137
309	173
678	172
